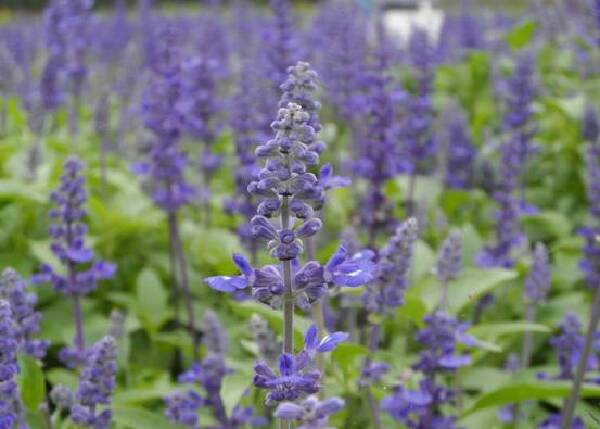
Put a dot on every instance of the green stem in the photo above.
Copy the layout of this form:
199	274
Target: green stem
185	285
571	401
288	291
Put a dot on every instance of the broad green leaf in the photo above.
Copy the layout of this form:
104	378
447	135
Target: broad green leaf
151	392
467	289
546	225
31	382
62	376
492	330
528	391
520	36
233	388
140	418
346	353
152	299
414	309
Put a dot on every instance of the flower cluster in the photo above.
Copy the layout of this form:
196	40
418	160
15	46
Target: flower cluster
166	163
421	408
182	407
460	152
96	386
200	107
311	281
26	318
537	282
393	268
68	238
418	139
12	413
297	376
311	413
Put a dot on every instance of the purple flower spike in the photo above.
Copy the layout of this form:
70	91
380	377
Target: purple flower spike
26	319
96	386
312	413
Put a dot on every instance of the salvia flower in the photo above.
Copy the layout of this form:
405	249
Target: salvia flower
460	152
537	282
200	106
310	281
266	339
26	318
96	386
417	132
215	337
554	422
68	237
182	408
420	408
297	376
12	413
166	162
80	273
449	261
311	412
440	337
568	345
393	268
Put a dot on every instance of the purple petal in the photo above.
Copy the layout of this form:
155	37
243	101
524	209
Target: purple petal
226	283
337	258
330	342
310	338
286	364
454	361
330	406
289	411
243	264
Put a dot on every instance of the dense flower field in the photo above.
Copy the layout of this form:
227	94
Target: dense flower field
240	216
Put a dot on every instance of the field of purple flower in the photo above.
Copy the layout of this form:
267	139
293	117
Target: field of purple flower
246	215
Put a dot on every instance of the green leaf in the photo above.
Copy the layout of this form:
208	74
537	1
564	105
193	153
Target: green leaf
546	225
140	418
31	382
467	289
492	330
527	391
152	300
520	36
346	353
233	388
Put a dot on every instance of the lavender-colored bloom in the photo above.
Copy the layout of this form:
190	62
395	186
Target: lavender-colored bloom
310	281
449	262
537	282
377	151
26	319
12	413
419	143
266	339
200	106
96	386
311	412
518	93
393	268
340	31
460	152
568	345
281	48
590	126
215	337
68	238
166	163
421	408
440	338
554	422
296	374
182	408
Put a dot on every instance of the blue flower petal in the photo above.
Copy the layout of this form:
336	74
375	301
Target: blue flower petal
226	283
